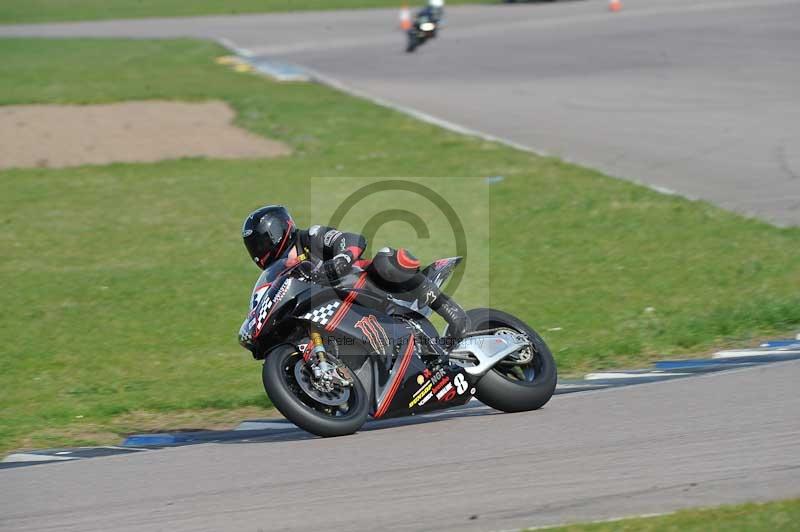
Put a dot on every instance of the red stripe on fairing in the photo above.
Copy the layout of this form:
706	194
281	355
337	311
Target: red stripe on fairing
405	261
348	302
401	371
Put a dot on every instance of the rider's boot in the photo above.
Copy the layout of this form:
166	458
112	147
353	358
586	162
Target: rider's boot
456	317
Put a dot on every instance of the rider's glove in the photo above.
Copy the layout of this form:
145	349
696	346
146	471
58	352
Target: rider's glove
331	269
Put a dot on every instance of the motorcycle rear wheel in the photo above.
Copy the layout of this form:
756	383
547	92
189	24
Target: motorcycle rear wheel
512	388
297	406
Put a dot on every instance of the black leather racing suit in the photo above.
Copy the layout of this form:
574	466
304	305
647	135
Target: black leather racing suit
394	270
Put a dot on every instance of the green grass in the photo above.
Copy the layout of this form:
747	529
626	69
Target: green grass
124	285
768	517
31	11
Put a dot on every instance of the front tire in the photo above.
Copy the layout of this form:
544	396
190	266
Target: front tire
288	397
413	42
515	388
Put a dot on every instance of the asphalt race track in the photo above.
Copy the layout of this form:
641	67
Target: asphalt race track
694	96
697	96
719	438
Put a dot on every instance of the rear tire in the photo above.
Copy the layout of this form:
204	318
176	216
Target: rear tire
277	376
499	390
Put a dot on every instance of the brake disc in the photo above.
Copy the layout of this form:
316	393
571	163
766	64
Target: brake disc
521	357
338	395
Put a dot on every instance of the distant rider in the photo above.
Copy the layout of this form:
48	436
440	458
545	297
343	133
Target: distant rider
270	234
434	11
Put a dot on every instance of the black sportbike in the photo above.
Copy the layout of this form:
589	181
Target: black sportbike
423	28
335	354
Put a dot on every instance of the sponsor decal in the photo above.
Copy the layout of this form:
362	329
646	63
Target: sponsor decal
426	374
440	373
426	398
375	333
268	304
421	393
247	232
441	384
461	383
430	297
330	236
282	290
445	391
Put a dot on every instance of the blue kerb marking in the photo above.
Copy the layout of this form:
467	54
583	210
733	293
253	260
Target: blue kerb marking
711	363
782	343
147	440
725	363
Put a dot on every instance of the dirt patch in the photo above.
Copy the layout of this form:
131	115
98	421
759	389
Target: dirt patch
58	136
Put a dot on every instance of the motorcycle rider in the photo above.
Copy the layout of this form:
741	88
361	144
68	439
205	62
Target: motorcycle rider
434	11
270	234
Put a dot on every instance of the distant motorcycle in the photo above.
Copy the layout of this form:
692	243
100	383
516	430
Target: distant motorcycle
423	28
335	354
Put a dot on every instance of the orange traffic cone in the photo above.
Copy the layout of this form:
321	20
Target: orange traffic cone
615	5
405	18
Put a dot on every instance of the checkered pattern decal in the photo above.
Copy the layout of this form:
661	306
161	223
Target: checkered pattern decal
323	314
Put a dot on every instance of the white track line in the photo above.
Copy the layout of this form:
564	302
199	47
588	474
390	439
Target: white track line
30	457
756	352
622	375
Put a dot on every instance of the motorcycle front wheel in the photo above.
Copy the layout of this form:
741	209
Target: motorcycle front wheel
413	42
325	414
511	386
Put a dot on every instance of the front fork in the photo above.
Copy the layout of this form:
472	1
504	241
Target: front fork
326	370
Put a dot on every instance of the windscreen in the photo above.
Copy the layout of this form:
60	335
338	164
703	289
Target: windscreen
265	280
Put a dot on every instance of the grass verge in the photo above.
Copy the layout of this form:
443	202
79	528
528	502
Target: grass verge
766	517
124	285
32	11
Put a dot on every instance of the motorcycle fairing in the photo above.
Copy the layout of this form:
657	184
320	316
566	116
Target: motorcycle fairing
440	270
398	369
390	343
401	381
425	389
270	302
